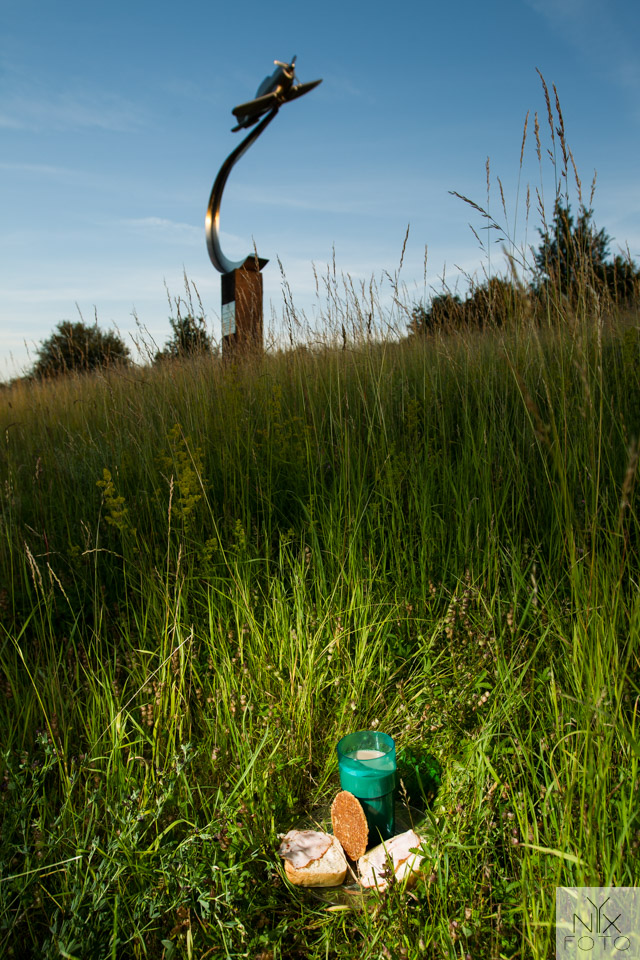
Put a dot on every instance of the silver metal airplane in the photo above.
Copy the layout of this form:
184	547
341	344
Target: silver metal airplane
275	90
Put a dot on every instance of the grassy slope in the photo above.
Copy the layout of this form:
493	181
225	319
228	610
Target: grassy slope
441	537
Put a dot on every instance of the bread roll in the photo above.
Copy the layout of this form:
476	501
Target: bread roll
328	870
391	860
300	847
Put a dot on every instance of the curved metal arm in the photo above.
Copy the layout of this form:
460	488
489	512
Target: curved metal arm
212	222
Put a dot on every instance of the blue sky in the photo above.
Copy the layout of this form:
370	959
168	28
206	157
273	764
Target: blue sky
115	118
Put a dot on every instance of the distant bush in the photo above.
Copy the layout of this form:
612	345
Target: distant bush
189	334
445	310
190	338
489	304
78	347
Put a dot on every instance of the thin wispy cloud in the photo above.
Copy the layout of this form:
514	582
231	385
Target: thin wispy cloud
628	73
76	176
342	87
31	107
361	197
183	88
38	169
598	31
562	9
164	229
311	201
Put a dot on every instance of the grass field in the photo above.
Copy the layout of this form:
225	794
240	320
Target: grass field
210	572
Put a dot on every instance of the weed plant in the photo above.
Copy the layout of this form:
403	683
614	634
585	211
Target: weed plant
210	571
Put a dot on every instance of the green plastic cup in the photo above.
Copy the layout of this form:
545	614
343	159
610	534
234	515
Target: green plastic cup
367	765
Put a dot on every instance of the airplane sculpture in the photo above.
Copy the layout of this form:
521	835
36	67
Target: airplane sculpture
274	90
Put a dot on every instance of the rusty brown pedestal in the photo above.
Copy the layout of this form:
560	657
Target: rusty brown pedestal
242	309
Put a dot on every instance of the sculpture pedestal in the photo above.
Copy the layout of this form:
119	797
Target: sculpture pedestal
242	309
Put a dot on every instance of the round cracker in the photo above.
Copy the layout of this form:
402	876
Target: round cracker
350	824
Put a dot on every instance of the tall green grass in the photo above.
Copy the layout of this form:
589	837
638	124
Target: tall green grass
211	572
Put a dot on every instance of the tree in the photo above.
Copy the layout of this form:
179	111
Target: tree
189	329
574	255
622	278
190	338
446	310
78	347
493	302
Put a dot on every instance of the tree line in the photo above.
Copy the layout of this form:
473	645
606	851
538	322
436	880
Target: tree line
82	347
572	261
